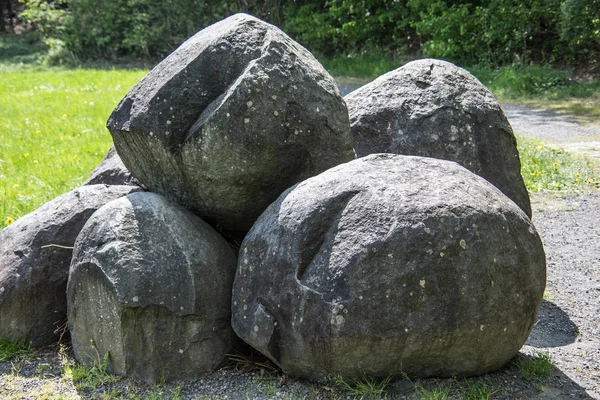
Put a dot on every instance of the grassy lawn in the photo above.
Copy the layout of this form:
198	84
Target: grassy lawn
52	130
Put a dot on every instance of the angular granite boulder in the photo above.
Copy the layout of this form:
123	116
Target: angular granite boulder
35	253
150	285
233	117
432	108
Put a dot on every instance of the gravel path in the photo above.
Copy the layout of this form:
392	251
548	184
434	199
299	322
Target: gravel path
558	130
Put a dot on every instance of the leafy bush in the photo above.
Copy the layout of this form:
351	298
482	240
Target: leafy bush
580	28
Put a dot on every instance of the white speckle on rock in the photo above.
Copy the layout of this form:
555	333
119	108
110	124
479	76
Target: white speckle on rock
274	97
180	351
360	297
390	255
481	327
462	243
430	251
246	120
181	308
249	104
339	319
245	306
275	113
441	254
422	283
135	298
1	290
228	115
255	328
296	132
168	122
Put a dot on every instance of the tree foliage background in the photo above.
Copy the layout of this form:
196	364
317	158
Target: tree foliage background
489	32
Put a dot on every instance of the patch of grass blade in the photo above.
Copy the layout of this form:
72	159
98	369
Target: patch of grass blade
547	168
85	377
438	393
10	350
535	368
364	386
477	391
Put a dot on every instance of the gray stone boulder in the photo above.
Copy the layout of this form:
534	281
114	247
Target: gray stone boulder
390	264
432	108
111	171
35	253
150	285
233	117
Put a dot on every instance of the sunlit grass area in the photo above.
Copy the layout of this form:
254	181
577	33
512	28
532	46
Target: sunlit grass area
52	131
546	168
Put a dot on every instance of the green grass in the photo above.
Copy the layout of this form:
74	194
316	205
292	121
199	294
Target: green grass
543	87
547	169
10	350
364	386
366	67
52	131
536	368
85	377
477	391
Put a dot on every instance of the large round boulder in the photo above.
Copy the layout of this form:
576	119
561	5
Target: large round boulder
35	253
390	264
432	108
150	285
232	118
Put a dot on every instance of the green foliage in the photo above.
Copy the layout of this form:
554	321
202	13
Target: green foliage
491	32
580	27
367	66
10	350
550	169
364	386
519	81
535	368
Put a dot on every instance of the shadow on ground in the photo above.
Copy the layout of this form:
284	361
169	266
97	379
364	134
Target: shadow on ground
553	328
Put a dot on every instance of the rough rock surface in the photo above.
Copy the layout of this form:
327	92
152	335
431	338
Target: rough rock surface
232	118
150	284
111	171
432	108
390	264
34	271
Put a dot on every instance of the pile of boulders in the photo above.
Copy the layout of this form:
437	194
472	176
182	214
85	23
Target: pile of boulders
385	233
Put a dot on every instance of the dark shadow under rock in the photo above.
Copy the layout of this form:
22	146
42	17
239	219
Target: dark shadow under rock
553	328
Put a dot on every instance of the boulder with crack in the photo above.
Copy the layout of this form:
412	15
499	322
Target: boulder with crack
233	117
150	285
432	108
390	264
35	253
